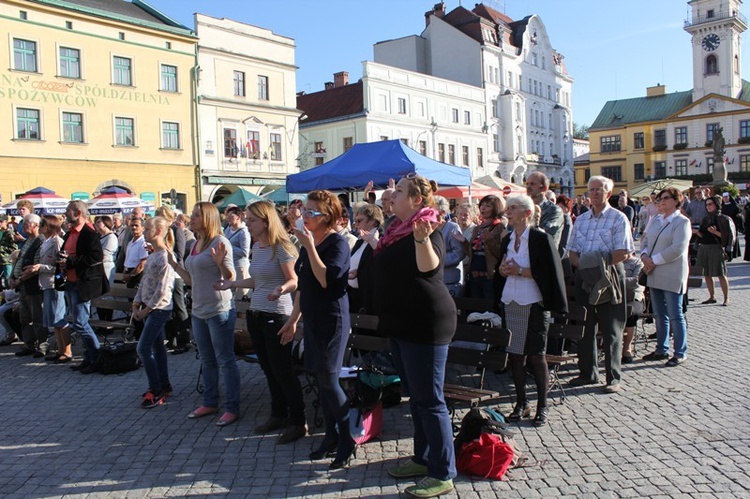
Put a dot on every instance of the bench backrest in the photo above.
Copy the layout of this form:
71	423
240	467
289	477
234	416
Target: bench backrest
492	340
569	326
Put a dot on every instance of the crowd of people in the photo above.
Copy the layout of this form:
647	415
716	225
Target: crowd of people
401	257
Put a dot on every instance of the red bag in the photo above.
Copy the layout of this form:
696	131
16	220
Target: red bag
488	457
364	426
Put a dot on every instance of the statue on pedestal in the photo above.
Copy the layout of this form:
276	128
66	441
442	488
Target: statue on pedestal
720	170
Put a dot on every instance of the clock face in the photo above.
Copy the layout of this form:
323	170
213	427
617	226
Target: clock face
711	42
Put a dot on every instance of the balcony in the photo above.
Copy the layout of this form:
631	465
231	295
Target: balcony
717	16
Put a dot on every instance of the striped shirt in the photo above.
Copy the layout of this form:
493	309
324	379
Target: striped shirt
606	232
265	269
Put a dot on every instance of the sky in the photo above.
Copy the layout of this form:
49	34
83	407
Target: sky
612	49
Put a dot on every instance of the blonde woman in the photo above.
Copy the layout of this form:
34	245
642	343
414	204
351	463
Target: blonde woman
272	279
213	312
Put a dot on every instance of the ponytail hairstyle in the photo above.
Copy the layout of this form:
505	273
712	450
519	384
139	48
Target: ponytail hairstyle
420	186
164	226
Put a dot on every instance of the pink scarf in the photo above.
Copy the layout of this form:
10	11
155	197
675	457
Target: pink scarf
400	229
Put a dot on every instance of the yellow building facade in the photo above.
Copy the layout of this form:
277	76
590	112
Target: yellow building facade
96	97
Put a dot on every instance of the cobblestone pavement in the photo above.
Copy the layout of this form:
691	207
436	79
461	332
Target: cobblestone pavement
679	432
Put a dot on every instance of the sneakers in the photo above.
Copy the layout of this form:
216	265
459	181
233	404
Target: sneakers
430	487
167	390
409	469
675	361
150	399
583	381
656	356
292	434
614	386
271	425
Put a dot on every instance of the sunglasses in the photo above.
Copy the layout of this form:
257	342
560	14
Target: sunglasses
312	213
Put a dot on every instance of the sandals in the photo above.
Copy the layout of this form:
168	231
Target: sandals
710	301
62	359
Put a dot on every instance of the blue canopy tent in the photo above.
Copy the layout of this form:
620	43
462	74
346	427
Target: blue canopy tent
376	161
280	196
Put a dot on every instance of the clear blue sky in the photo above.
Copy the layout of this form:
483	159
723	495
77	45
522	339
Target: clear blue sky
613	49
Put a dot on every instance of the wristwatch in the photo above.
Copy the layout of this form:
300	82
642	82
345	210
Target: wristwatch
423	241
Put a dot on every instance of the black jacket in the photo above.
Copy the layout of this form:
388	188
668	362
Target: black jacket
546	270
361	298
87	263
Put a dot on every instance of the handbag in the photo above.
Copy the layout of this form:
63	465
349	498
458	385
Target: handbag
119	357
61	278
487	457
643	276
364	425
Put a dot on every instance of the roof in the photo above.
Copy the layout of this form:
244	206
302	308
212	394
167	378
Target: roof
489	13
332	103
136	12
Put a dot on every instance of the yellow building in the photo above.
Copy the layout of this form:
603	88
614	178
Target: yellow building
671	134
94	94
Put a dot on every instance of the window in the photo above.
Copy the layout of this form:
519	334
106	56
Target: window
68	24
496	143
252	146
745	163
27	124
423	147
168	45
744	129
680	167
612	172
451	154
320	151
638	140
441	153
710	13
168	78
170	135
660	169
639	171
467	117
480	157
70	62
124	132
711	128
72	124
121	35
404	141
610	143
24	55
230	143
586	175
276	147
454	115
23	14
383	137
239	84
262	87
709	165
401	105
680	135
494	108
712	65
660	138
348	143
122	74
465	155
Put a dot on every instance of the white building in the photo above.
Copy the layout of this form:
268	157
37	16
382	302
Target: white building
247	119
527	89
439	118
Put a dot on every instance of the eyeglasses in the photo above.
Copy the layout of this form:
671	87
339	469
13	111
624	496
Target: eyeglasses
312	213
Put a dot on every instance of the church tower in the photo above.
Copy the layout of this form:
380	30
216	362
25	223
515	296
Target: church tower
716	27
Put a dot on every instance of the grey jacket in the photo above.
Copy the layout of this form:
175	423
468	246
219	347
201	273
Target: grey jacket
551	220
602	280
669	253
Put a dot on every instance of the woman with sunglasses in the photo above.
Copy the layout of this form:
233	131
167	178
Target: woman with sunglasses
417	313
368	220
714	234
664	252
322	271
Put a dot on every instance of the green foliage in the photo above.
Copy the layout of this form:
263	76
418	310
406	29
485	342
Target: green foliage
580	131
730	188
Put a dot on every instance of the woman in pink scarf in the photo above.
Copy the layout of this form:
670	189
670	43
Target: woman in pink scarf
419	316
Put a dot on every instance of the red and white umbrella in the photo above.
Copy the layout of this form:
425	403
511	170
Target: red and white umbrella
116	200
45	202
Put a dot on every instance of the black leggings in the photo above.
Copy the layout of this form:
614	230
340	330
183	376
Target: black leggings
539	369
335	411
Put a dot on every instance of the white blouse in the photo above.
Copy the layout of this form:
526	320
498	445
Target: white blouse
521	290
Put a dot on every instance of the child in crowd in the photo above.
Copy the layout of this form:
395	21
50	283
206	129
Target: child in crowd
153	306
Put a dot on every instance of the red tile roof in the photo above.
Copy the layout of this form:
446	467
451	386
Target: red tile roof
491	14
332	103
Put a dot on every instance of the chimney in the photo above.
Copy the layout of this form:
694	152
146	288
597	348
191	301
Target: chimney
340	79
437	10
656	91
329	85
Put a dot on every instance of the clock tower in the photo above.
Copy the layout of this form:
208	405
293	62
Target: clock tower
715	27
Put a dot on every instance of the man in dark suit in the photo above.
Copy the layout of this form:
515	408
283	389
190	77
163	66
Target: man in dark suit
81	259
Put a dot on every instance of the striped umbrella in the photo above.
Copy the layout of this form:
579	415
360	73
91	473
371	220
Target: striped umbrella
116	200
45	202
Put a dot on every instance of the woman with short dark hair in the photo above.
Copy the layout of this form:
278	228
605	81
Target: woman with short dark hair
714	235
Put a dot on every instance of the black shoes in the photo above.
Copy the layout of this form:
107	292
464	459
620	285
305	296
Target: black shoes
627	359
81	366
272	424
25	351
326	449
344	462
583	381
675	361
541	416
292	434
709	301
180	350
90	369
520	411
656	356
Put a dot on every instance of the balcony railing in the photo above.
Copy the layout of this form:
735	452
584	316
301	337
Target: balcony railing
717	16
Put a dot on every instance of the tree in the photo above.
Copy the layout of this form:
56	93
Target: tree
580	131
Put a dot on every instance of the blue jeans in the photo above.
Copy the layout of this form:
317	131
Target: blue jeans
215	339
422	371
152	352
81	311
668	311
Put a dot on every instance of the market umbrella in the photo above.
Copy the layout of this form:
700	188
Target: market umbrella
508	188
240	198
476	191
280	196
647	188
45	202
116	200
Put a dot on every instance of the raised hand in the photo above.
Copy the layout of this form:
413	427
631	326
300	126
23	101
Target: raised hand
305	237
422	229
219	253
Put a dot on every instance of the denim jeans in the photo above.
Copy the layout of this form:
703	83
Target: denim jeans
422	371
276	361
152	352
215	339
81	311
668	312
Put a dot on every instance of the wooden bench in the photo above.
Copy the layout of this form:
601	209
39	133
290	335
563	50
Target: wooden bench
566	328
119	298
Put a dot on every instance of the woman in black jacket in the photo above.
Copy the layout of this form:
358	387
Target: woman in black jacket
368	221
530	285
